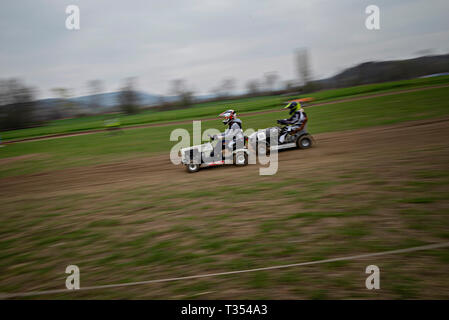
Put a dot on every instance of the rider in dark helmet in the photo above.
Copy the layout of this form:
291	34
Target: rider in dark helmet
296	122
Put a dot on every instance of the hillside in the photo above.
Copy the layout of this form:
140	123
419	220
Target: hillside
383	71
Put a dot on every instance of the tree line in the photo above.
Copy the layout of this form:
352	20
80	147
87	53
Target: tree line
19	108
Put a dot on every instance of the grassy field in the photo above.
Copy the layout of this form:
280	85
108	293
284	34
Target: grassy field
104	147
115	206
212	109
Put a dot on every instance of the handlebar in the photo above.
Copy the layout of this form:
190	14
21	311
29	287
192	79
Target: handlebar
214	137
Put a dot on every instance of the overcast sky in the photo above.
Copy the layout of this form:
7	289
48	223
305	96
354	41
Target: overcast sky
205	41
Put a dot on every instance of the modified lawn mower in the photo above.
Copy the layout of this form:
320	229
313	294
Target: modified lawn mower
213	153
291	133
261	139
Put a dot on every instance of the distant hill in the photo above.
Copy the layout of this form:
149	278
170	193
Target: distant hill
109	101
364	73
53	109
382	71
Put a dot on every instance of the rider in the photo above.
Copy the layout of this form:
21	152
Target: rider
296	122
233	133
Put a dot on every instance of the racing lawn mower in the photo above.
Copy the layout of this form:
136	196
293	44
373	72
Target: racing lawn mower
213	153
261	139
291	137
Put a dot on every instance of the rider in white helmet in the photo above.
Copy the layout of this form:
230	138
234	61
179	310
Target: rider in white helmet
234	132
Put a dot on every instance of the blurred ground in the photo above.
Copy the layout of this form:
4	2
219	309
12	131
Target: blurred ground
357	191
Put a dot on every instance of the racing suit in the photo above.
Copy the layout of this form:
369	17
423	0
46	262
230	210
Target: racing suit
233	136
296	123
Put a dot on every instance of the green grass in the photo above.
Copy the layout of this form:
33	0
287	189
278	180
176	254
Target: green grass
212	109
167	247
420	200
333	94
103	147
104	223
353	231
124	233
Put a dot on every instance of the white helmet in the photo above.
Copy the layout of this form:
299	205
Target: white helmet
228	116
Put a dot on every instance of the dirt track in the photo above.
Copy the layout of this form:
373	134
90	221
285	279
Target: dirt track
65	135
375	146
355	192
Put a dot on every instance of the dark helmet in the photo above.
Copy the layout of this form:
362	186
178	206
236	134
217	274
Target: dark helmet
293	106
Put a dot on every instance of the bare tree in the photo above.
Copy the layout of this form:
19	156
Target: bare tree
216	91
228	85
289	85
161	101
128	97
17	104
62	93
253	87
270	80
180	89
225	88
303	65
95	88
67	107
